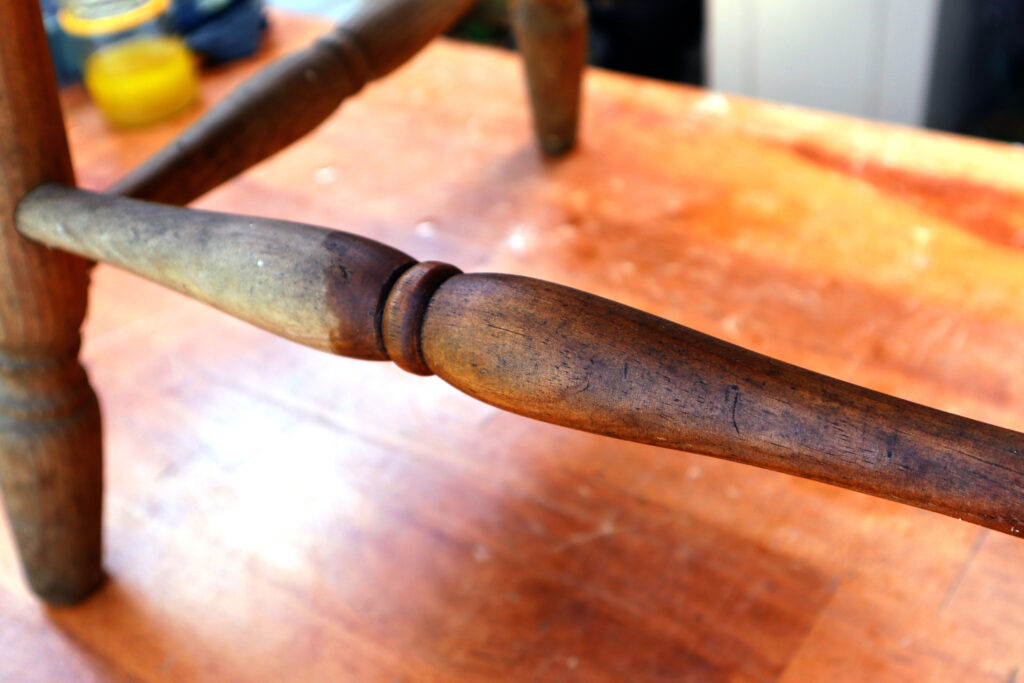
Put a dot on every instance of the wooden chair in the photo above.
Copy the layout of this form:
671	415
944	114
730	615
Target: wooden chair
531	347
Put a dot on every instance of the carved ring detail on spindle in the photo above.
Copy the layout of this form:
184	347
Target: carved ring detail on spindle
402	322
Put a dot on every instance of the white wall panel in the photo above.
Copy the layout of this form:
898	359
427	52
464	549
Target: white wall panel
869	58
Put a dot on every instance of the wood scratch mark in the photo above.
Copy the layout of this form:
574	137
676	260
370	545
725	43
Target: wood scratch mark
962	574
505	329
606	528
735	401
585	387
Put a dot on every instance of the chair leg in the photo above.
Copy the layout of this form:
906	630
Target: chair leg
50	454
552	36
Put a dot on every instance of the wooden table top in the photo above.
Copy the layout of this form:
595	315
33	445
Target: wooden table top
278	514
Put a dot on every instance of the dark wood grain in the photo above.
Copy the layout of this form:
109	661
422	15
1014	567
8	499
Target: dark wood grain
549	352
50	457
289	98
552	37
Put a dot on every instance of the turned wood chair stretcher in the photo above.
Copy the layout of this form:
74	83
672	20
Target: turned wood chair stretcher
531	347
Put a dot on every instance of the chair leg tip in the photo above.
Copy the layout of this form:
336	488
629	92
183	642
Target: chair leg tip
557	145
61	591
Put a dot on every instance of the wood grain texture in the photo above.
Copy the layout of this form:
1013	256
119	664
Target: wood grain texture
300	529
549	352
290	98
50	457
322	288
552	37
577	360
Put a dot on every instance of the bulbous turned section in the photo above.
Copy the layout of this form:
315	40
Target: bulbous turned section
51	473
548	352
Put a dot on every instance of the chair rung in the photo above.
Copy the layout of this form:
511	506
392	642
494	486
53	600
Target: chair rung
549	352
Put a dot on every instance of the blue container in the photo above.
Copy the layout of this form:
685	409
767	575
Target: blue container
66	52
220	30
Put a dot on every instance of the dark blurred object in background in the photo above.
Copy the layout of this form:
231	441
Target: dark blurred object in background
978	74
656	38
220	30
67	62
486	23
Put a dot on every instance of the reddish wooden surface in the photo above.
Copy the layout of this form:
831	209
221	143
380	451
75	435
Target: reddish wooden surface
275	513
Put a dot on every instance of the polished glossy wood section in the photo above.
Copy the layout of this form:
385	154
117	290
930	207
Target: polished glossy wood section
274	512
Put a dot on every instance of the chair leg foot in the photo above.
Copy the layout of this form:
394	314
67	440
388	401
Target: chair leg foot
51	474
552	37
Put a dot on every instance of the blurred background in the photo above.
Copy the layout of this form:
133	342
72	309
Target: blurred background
953	65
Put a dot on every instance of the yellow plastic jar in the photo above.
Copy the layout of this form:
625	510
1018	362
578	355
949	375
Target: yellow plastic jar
135	72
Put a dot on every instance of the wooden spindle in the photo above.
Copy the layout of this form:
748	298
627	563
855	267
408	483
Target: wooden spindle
321	288
289	98
552	37
550	352
50	454
575	359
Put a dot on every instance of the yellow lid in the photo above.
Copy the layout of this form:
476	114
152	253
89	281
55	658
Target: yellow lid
78	25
